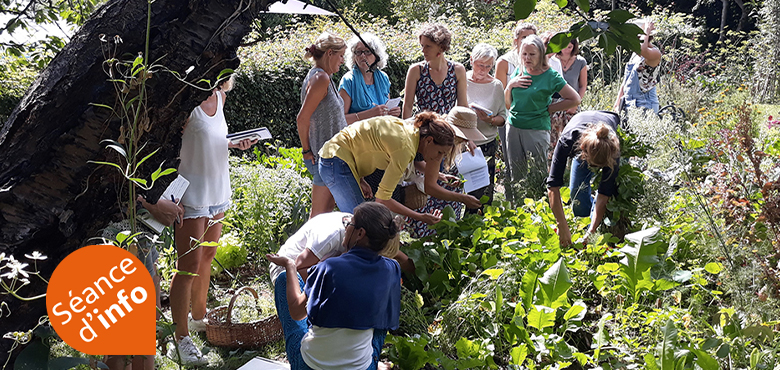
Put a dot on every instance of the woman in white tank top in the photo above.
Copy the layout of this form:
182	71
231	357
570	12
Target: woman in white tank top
204	162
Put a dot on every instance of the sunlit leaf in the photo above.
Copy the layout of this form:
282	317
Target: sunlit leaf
524	8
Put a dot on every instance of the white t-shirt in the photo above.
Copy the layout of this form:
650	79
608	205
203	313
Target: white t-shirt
204	158
555	64
491	96
337	348
322	235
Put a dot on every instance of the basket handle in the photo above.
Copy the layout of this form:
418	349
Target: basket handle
233	300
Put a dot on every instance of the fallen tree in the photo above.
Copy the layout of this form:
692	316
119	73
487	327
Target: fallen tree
51	198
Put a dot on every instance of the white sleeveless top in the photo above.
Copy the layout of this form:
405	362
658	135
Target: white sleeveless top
204	158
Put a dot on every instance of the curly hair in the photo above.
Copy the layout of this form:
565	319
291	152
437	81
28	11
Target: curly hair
437	33
374	43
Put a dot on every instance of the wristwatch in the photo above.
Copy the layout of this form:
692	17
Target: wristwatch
306	151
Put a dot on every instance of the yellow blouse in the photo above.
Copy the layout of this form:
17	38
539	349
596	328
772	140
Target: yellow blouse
385	143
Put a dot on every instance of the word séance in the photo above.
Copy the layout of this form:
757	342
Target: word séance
89	295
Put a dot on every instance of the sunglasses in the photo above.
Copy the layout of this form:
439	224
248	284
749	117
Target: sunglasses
346	221
363	53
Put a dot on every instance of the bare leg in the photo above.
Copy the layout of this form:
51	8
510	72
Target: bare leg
181	284
118	362
200	286
321	200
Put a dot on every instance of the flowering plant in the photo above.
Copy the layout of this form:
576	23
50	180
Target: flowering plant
772	122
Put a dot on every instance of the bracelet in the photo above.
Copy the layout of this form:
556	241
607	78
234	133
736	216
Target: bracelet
356	116
306	151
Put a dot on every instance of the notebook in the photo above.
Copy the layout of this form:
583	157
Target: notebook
175	189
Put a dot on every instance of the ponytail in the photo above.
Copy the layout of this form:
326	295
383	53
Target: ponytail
599	146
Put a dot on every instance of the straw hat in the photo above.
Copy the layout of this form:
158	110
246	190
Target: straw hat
463	121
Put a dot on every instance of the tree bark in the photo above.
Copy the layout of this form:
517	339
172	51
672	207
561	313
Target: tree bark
51	199
723	15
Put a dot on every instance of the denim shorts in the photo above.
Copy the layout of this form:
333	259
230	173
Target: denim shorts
207	211
315	172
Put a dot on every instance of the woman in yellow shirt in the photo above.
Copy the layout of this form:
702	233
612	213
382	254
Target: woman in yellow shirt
387	143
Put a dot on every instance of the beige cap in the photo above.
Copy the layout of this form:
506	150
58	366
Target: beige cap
463	121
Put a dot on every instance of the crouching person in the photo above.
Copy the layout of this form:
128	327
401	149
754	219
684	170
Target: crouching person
351	301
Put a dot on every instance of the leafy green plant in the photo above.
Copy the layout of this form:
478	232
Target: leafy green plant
231	254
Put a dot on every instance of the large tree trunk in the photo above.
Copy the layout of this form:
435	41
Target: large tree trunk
51	199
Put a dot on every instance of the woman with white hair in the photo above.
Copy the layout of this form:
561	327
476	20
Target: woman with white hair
528	136
366	92
486	97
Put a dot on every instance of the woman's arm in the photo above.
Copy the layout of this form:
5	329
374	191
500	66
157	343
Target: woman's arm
359	116
460	76
296	299
433	189
554	197
616	107
306	259
403	210
502	68
570	99
599	212
315	92
651	53
410	87
583	81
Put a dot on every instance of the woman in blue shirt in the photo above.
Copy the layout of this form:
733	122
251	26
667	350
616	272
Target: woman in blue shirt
351	301
364	92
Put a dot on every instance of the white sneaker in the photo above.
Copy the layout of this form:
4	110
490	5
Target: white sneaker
196	326
189	354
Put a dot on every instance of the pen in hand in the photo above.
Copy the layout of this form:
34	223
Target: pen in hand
176	220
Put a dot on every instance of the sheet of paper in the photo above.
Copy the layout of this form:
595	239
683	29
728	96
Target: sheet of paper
392	103
176	189
474	170
260	363
479	107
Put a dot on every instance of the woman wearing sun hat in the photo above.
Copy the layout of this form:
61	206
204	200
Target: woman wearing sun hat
464	120
388	143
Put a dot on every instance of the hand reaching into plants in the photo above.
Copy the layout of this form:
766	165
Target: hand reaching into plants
430	218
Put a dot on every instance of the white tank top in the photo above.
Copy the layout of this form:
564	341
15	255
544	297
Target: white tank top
204	158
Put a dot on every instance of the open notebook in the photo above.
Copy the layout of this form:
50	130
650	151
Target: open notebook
175	189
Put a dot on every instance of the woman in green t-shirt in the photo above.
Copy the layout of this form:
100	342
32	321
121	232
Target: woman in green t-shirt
528	132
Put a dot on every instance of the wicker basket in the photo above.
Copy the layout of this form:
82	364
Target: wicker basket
413	197
221	331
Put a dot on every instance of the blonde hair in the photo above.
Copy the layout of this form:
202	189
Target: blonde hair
325	42
227	84
536	42
599	146
522	26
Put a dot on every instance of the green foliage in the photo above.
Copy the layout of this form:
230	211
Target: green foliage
25	16
13	83
268	204
230	254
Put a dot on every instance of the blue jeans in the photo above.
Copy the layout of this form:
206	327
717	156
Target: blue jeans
579	184
341	182
295	330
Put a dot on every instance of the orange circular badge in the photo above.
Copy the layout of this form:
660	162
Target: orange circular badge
101	301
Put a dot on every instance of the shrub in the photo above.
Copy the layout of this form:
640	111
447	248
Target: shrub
13	83
268	204
230	254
